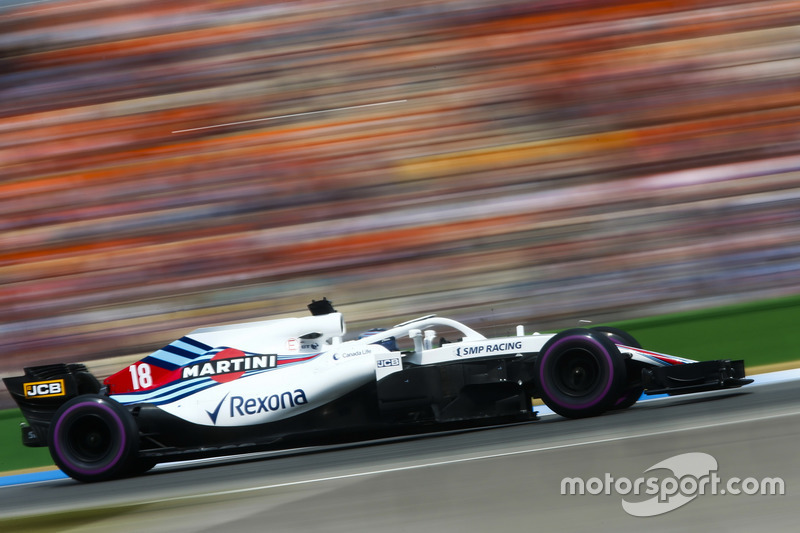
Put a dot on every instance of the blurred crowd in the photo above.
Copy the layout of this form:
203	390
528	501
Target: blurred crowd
170	165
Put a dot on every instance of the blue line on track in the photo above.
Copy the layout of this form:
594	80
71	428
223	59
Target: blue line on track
33	477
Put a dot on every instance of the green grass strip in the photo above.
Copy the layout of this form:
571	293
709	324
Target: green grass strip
761	333
13	455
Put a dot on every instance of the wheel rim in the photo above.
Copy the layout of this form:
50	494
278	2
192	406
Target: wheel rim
89	439
576	372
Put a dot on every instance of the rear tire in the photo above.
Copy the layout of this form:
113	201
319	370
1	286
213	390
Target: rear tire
580	373
93	438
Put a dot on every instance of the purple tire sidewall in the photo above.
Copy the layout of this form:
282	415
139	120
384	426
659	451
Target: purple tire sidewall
598	398
120	427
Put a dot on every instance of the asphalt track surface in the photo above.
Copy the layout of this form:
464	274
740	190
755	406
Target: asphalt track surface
490	480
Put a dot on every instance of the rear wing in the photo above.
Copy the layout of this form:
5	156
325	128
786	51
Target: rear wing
42	390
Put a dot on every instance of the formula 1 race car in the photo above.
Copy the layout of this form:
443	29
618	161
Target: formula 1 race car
279	383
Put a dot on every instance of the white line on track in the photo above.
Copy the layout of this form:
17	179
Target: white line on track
466	459
291	115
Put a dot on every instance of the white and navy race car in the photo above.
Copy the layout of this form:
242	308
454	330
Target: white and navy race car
286	382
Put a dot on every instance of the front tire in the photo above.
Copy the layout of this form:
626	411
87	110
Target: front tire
580	373
634	389
93	438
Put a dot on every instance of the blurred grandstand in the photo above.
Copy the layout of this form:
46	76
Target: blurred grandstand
168	165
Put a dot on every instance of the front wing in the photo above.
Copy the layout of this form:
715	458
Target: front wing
694	377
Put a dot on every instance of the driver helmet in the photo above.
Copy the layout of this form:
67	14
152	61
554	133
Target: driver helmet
390	343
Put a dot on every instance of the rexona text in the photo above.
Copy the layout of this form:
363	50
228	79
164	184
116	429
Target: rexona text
252	406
